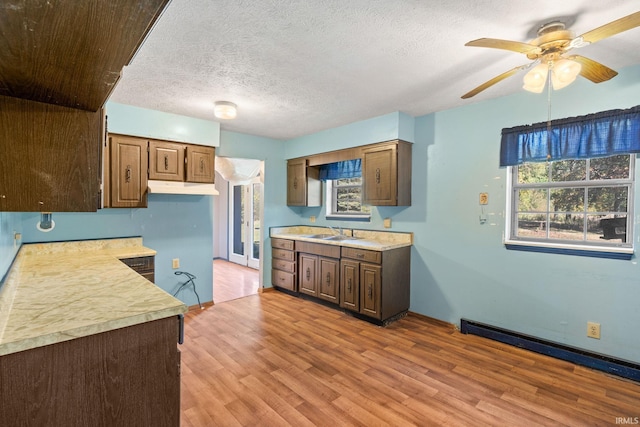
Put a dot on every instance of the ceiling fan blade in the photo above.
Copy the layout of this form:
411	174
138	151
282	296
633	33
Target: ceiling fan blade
592	70
493	81
513	46
612	28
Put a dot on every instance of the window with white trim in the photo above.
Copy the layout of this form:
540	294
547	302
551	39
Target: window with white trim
578	204
344	199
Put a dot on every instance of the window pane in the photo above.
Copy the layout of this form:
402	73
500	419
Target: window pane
348	199
348	181
566	226
532	200
532	225
616	167
567	200
607	228
608	199
533	172
569	170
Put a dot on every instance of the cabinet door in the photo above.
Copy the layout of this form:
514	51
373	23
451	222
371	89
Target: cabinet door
370	278
328	280
166	161
296	182
129	164
349	285
200	164
379	172
307	274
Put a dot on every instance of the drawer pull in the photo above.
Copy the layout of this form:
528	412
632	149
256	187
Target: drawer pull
127	174
166	162
370	292
328	279
308	274
359	256
349	285
377	175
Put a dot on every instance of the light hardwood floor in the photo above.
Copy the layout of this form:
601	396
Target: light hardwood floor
231	281
276	360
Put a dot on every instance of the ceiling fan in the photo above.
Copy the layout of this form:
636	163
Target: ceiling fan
548	54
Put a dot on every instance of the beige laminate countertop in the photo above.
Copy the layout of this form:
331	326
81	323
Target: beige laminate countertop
56	292
366	239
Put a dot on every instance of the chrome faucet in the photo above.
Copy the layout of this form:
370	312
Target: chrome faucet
334	230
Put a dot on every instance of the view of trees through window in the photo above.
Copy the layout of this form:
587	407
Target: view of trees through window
347	196
574	200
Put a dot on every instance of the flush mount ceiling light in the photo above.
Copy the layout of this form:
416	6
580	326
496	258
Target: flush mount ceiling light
225	110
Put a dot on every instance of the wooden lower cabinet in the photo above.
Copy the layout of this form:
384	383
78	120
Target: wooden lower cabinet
350	284
125	377
308	280
283	264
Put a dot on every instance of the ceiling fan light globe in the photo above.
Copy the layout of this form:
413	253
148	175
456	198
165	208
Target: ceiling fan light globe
564	73
535	79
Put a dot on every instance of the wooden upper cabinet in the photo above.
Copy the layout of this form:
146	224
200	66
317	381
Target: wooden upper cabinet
166	161
49	156
200	164
303	186
386	173
128	171
71	53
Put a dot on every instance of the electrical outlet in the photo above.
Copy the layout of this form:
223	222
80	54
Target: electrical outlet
176	263
593	330
386	223
312	218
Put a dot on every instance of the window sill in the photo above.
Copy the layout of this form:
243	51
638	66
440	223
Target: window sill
361	218
588	251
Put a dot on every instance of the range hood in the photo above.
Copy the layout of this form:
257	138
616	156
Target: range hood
176	187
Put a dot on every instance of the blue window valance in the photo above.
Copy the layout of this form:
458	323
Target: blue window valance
339	170
595	135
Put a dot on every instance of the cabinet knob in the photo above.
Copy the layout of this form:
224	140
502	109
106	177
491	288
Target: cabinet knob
377	175
295	183
349	285
370	292
328	279
201	165
308	274
166	162
359	256
127	175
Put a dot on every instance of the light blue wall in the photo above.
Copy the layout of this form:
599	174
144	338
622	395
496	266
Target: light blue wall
176	226
460	268
129	120
276	213
10	223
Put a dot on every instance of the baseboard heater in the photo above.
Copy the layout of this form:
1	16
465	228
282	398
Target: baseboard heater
619	367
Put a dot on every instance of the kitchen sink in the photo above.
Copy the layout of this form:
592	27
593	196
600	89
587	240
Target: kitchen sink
331	237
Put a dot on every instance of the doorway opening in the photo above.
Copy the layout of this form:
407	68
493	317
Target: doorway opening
238	215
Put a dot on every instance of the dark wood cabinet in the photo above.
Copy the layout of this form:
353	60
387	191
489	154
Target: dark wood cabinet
386	172
166	160
328	285
200	164
124	377
144	266
376	284
303	186
50	157
128	171
283	264
308	280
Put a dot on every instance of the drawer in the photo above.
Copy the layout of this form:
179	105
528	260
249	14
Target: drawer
362	255
282	244
280	264
283	254
283	279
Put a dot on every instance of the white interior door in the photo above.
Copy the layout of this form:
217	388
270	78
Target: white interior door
244	223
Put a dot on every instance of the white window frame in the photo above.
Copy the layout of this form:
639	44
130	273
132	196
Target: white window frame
616	248
332	202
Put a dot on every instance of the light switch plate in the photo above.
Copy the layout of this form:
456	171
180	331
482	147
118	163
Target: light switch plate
387	223
484	198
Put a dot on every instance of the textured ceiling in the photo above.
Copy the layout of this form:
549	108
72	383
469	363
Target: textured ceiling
296	67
